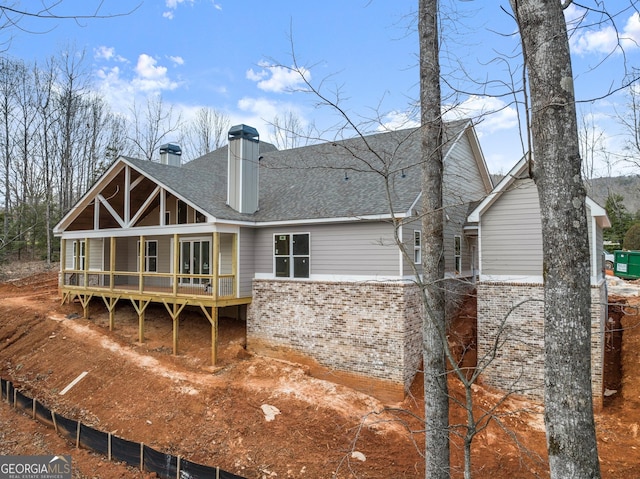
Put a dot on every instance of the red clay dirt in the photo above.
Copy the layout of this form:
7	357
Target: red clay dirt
212	415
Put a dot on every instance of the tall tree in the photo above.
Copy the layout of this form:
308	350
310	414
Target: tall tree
8	88
569	422
436	394
152	127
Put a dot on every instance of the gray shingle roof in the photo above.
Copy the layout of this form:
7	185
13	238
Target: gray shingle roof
337	179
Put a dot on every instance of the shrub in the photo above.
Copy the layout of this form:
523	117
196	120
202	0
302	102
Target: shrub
632	238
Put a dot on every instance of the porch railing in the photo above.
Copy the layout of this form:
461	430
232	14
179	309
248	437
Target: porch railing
159	283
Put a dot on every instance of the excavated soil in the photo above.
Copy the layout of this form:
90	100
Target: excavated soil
214	416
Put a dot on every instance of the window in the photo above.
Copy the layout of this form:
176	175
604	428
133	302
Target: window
167	217
417	247
79	254
182	212
457	253
150	256
291	255
200	217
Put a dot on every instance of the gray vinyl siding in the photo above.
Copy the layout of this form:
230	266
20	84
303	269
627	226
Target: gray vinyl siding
95	254
462	184
164	253
598	238
407	240
342	249
68	253
246	268
457	216
511	233
599	242
96	258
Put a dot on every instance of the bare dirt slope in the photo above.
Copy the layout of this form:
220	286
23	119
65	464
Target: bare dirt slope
181	405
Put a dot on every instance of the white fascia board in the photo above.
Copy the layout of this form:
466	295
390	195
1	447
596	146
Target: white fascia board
345	219
183	229
598	212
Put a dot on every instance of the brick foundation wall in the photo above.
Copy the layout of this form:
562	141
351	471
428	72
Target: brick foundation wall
367	334
370	329
512	349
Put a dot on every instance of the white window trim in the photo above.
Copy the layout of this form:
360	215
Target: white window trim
146	255
291	255
417	248
457	255
79	256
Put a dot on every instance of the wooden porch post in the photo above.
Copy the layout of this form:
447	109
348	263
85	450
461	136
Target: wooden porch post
234	263
176	263
141	251
112	261
216	265
63	262
86	263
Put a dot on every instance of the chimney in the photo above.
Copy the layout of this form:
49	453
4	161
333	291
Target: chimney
242	169
170	154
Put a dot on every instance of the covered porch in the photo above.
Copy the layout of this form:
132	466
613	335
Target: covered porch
176	270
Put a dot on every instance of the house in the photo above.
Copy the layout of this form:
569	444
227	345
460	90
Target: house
510	286
303	243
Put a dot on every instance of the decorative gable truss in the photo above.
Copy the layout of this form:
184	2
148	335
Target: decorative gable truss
125	198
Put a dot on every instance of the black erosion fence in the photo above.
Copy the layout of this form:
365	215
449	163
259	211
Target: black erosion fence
113	447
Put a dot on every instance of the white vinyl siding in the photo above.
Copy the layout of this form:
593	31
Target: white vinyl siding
511	232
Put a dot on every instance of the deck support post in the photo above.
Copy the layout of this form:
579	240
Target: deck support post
213	320
84	301
174	312
140	306
110	303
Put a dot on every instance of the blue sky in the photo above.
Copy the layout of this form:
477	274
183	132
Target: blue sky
226	54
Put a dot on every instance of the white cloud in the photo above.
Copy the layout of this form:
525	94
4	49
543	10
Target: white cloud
177	60
492	114
104	52
172	5
107	53
397	120
606	39
151	76
261	108
276	78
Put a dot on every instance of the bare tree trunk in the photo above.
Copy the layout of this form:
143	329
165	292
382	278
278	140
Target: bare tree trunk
435	378
571	440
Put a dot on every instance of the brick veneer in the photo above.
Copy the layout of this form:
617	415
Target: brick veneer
369	334
511	337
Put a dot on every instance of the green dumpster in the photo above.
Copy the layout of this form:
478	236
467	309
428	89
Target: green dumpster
627	264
